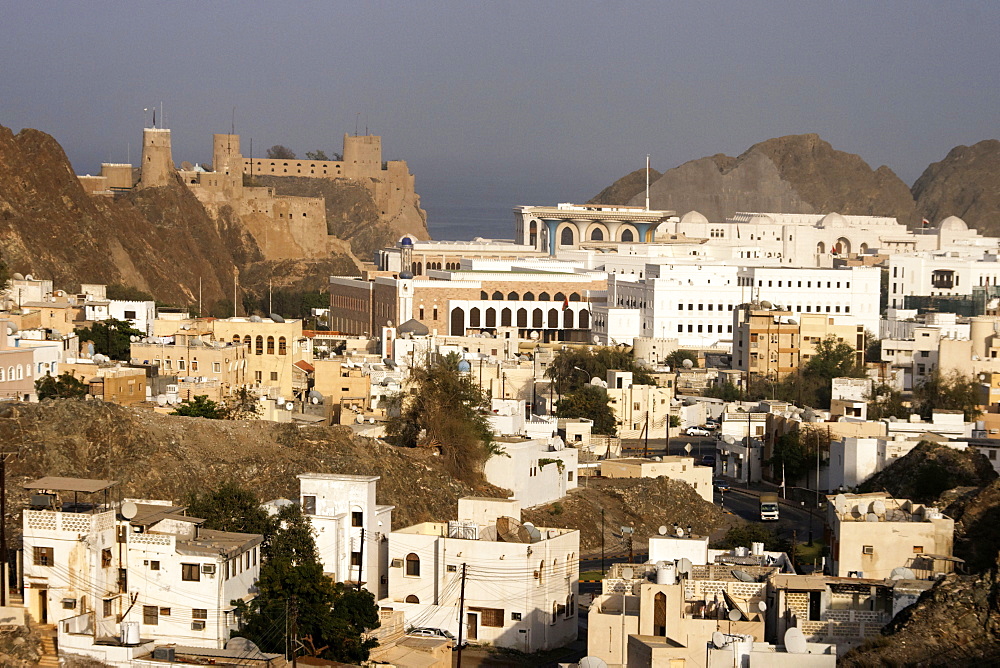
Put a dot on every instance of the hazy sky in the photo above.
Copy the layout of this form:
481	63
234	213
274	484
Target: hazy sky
507	103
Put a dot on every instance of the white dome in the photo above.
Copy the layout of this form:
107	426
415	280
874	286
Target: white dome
832	220
694	217
953	224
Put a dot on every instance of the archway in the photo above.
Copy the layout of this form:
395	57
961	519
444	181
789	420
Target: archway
843	246
532	233
505	318
627	235
536	318
553	318
584	319
491	317
457	322
474	317
820	248
568	319
566	236
522	317
597	234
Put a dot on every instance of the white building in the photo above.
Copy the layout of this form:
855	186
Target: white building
350	527
950	273
536	471
95	566
520	583
693	302
140	313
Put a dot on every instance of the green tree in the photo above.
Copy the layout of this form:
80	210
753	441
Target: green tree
446	409
230	507
66	386
884	402
200	406
833	359
954	391
330	616
110	337
744	535
279	152
727	392
316	155
791	456
677	357
574	367
591	402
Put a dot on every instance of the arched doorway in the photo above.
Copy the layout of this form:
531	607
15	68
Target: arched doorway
457	322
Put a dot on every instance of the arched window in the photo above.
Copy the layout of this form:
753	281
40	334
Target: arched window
532	233
282	346
660	614
270	345
553	318
483	295
498	296
820	248
512	296
566	237
3	377
597	234
541	572
457	322
260	345
560	297
247	341
474	317
536	318
505	316
584	319
575	297
627	235
491	317
20	372
529	296
412	599
568	319
544	297
236	338
413	565
522	317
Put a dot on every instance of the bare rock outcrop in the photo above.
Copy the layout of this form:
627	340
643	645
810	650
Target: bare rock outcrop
965	184
624	189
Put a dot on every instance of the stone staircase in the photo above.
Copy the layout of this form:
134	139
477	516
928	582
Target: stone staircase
50	655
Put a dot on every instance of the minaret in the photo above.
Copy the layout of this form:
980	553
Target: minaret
157	167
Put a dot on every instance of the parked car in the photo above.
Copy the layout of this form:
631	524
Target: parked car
711	425
697	431
708	460
430	632
720	484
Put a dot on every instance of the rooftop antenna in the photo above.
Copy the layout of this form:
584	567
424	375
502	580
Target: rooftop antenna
145	111
162	120
357	119
647	182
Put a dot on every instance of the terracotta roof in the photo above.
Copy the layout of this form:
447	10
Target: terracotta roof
305	366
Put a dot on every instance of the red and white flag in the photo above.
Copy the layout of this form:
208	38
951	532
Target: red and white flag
565	303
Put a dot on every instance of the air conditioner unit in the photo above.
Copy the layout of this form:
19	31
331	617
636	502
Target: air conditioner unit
396	563
868	549
452	568
198	625
208	569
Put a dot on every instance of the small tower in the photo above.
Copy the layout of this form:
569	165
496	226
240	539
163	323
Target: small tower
157	160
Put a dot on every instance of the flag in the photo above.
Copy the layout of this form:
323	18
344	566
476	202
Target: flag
924	222
565	303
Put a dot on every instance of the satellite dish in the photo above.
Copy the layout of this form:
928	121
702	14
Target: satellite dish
662	531
795	642
718	640
679	532
684	566
735	615
902	573
762	606
510	530
871	517
743	576
878	507
687	364
276	318
243	645
533	531
766	304
628	573
289	406
592	662
133	338
840	504
161	400
129	510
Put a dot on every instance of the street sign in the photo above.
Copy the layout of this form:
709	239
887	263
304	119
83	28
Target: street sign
687	448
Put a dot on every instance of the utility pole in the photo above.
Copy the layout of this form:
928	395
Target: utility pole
3	527
361	557
602	543
294	633
645	446
461	617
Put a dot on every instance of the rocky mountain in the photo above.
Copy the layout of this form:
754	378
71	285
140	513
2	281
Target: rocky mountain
163	240
929	470
965	184
624	189
804	174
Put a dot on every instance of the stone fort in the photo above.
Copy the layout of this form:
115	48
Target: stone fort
284	226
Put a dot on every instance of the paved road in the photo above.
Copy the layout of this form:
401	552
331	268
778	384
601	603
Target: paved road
792	518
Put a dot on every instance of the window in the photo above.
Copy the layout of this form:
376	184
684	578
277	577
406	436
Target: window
412	599
190	572
257	376
309	505
154	565
356	518
355	559
412	565
282	346
216	367
107	607
44	556
492	617
106	557
260	345
515	616
274	376
199	613
150	614
164	612
270	345
868	549
918	549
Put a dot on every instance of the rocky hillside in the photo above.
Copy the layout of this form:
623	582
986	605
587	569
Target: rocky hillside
804	174
965	184
930	469
955	623
977	526
162	240
627	187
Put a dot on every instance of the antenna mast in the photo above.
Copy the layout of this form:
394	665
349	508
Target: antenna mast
647	182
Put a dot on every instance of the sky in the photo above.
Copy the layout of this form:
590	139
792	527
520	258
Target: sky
500	104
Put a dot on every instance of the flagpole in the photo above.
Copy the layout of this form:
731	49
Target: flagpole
647	182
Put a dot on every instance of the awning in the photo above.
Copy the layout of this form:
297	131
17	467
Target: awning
71	484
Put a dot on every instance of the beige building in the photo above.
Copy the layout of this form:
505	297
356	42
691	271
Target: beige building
672	466
869	535
346	389
219	367
773	343
640	410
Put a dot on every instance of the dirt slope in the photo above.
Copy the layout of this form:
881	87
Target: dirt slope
965	184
